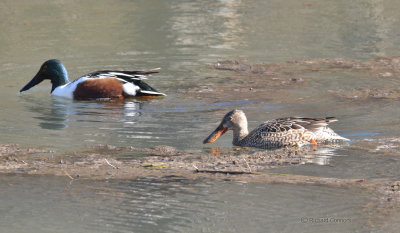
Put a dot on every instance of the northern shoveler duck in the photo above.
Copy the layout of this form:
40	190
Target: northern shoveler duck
106	84
290	131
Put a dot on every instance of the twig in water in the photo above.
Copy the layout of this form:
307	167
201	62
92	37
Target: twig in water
247	164
197	169
225	172
70	182
150	165
67	174
110	164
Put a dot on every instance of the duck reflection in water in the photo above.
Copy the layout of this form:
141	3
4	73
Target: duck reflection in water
59	113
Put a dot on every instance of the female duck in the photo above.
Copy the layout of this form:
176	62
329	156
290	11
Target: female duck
290	131
105	84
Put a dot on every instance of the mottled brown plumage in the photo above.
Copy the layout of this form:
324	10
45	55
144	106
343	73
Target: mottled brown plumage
290	131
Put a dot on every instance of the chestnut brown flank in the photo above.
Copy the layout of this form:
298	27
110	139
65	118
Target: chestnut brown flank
99	88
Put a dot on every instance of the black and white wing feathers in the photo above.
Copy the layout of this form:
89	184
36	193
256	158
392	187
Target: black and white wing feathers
135	77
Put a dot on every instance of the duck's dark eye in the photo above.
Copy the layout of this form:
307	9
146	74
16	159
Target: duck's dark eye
44	67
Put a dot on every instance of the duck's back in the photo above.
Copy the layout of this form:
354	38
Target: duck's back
290	131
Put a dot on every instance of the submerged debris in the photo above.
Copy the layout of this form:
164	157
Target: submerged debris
380	67
255	81
382	146
369	93
272	81
163	151
13	149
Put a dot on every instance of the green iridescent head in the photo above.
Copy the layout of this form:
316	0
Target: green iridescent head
53	70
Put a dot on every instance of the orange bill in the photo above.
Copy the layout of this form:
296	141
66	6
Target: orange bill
313	142
220	130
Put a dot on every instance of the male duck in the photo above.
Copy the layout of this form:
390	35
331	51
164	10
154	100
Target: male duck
290	131
106	84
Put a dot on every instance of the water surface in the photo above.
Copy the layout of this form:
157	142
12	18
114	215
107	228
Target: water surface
183	38
173	205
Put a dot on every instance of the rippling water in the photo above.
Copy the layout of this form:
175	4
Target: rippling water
183	38
172	205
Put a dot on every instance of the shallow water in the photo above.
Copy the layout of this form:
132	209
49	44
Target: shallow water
173	205
183	38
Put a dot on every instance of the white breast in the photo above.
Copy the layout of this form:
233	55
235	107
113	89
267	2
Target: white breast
67	90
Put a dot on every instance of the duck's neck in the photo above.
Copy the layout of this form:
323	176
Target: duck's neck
240	132
59	78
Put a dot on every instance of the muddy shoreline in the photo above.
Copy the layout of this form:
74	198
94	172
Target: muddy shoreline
101	163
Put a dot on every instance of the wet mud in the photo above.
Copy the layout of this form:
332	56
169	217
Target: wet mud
273	81
379	67
363	93
101	161
255	82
